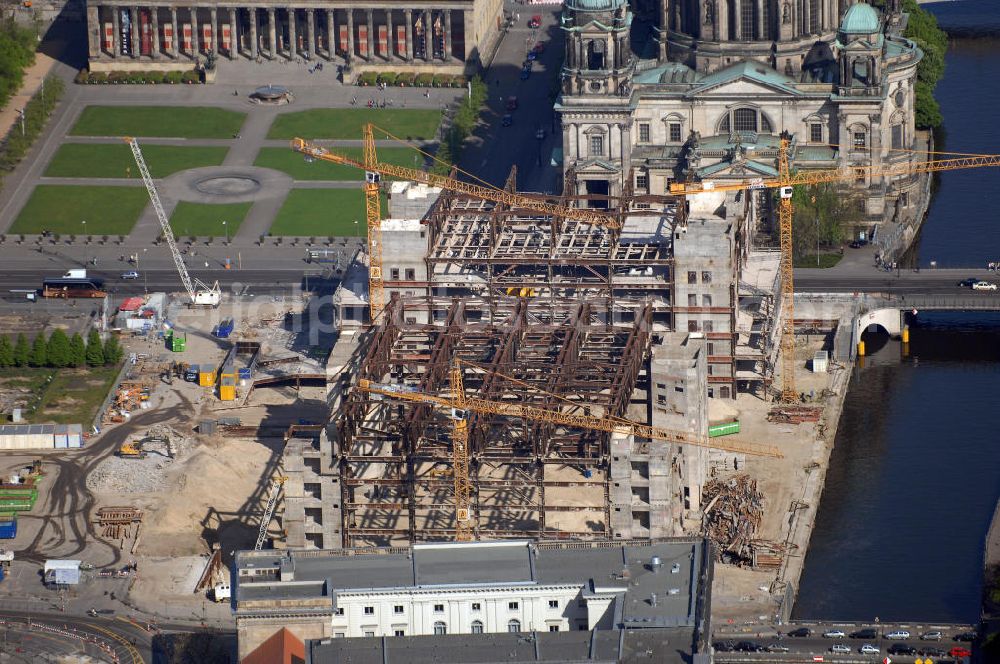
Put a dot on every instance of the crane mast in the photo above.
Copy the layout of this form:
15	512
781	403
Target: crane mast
196	290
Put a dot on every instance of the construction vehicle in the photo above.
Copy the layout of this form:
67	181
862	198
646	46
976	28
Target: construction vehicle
784	183
272	502
375	170
200	293
131	450
457	404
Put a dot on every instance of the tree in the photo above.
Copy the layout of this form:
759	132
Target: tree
77	351
822	217
22	353
6	352
57	350
39	357
922	28
95	349
112	351
927	111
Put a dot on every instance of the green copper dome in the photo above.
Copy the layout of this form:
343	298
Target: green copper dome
862	19
594	5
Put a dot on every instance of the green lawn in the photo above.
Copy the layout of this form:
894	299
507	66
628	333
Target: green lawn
162	121
61	396
62	209
295	164
825	260
203	219
346	123
322	213
114	160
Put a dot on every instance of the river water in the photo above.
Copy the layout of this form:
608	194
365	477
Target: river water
915	474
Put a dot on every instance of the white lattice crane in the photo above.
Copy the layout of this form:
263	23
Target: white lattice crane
272	502
200	293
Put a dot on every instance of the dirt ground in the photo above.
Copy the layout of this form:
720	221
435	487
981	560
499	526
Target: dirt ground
790	485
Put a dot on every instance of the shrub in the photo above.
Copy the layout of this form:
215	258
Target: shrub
405	79
136	77
155	76
173	77
367	78
191	76
98	78
424	80
117	77
441	80
459	81
388	78
81	77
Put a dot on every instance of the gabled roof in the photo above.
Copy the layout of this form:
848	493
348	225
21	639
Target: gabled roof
748	70
600	163
749	164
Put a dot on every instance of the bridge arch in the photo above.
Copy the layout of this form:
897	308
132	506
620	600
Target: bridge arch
890	320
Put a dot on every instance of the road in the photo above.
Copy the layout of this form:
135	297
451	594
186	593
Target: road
28	635
805	649
906	281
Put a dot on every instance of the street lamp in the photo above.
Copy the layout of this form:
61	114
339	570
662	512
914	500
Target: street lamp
226	228
817	240
357	230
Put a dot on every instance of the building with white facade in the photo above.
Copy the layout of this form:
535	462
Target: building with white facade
476	588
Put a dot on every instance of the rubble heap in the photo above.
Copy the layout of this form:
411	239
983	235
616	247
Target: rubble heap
733	511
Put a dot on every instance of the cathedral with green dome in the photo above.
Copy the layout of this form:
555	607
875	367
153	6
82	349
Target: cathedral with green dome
660	91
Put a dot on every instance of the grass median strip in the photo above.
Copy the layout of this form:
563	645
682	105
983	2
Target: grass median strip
158	121
63	209
111	160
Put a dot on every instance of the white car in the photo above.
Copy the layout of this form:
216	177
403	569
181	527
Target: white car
899	634
984	286
840	648
868	649
834	634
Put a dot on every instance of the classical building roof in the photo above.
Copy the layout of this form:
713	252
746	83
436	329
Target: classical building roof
861	19
749	70
594	5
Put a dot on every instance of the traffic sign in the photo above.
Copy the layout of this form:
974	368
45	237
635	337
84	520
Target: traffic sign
818	658
887	660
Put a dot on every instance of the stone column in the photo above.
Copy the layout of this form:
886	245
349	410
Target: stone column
176	37
428	36
214	17
272	42
447	35
234	38
154	27
331	45
738	23
95	30
763	30
254	50
371	37
134	24
293	37
408	15
350	35
311	27
391	42
116	42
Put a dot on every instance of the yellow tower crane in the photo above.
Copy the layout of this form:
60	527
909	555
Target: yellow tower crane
375	170
458	404
784	182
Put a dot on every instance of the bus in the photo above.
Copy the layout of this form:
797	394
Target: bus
66	287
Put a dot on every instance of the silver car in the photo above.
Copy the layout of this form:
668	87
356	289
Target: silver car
899	635
840	649
931	636
868	649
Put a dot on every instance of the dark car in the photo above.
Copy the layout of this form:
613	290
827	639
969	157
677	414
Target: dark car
857	244
901	649
932	652
801	631
749	646
967	283
965	636
532	55
539	47
525	74
507	120
724	646
865	634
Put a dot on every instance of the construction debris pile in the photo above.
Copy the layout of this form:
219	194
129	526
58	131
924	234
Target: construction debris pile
733	512
116	522
146	471
791	414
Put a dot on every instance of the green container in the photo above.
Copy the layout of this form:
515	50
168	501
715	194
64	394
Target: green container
178	343
727	429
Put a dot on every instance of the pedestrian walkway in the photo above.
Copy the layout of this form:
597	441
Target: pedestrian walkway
33	78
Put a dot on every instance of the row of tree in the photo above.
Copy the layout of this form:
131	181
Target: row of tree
59	351
17	51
